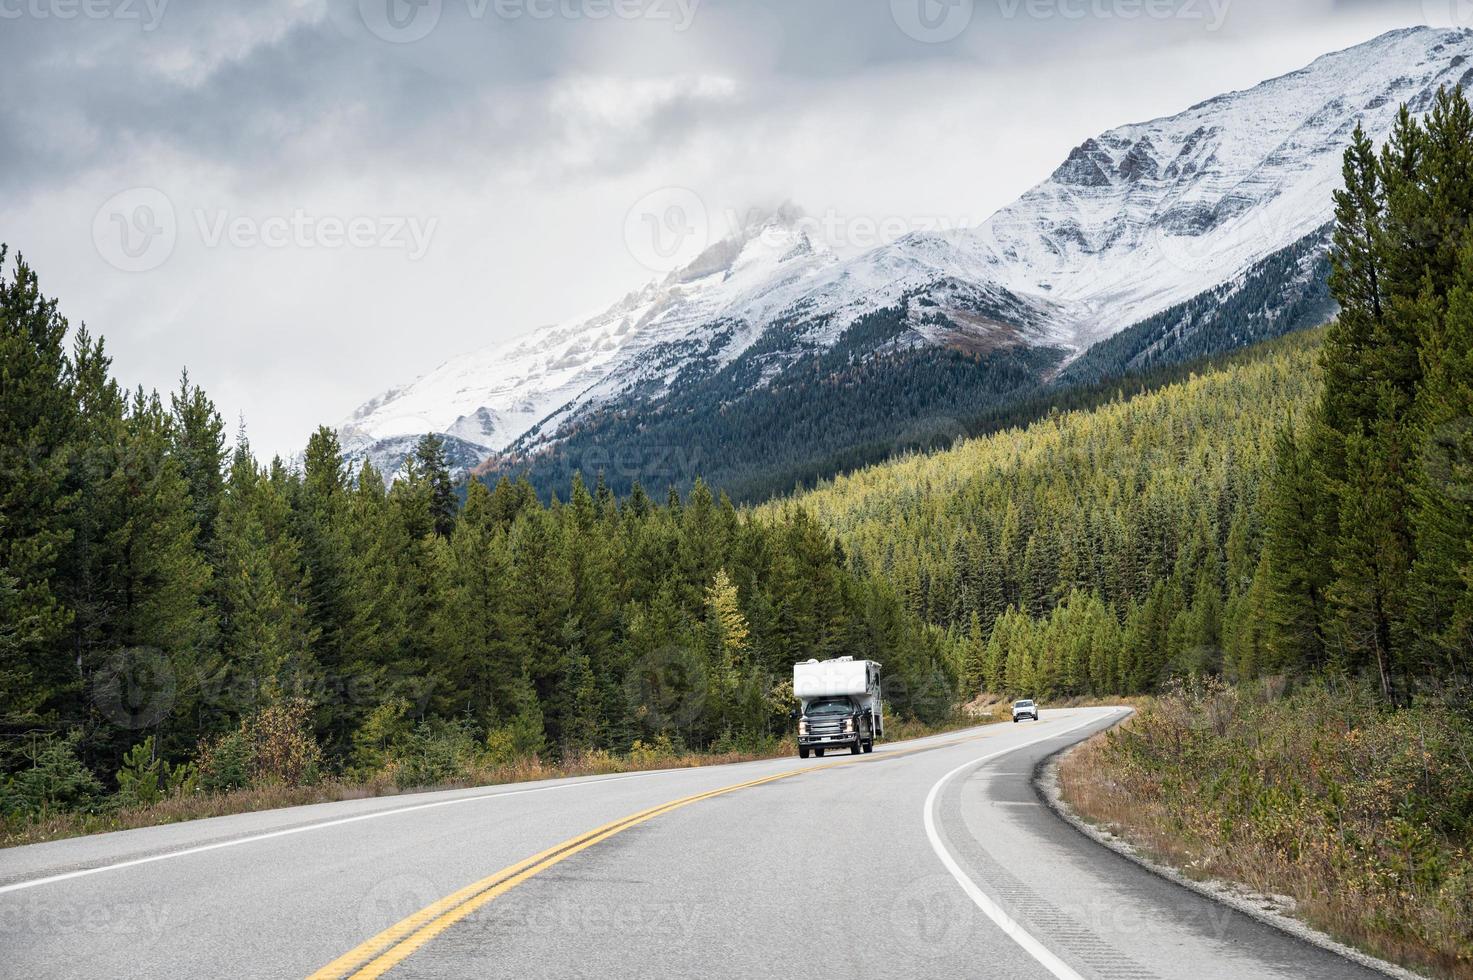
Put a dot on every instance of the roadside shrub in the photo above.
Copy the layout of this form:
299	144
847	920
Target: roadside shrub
284	748
138	780
56	780
649	755
1361	813
509	745
385	726
437	751
725	743
146	779
225	763
273	747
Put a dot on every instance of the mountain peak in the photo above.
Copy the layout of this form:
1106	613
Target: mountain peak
760	235
786	215
1138	220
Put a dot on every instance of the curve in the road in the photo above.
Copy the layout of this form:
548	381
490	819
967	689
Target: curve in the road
989	906
381	953
769	876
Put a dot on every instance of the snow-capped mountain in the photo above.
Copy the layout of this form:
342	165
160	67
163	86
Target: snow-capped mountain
490	398
1137	221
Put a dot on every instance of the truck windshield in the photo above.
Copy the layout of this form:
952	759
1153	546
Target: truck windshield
829	708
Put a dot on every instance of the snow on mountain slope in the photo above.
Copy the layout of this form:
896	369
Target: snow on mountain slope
1147	216
492	396
1137	220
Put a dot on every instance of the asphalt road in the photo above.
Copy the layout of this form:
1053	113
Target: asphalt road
927	859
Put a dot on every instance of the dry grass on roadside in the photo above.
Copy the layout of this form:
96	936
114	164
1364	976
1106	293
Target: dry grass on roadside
196	806
200	805
1359	815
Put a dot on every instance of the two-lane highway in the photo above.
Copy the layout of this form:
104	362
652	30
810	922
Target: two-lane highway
932	858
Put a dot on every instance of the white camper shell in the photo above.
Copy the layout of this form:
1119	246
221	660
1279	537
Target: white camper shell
842	677
857	681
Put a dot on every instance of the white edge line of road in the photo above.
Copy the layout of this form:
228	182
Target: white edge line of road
324	825
284	832
993	911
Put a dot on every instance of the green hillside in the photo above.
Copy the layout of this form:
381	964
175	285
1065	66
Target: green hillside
1126	536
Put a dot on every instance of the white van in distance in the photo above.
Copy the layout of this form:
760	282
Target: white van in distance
1025	709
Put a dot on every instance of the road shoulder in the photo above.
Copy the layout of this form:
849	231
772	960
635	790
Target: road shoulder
1267	909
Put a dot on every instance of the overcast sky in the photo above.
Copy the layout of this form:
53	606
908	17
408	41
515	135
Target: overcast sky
309	201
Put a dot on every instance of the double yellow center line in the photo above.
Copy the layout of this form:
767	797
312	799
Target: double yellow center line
392	946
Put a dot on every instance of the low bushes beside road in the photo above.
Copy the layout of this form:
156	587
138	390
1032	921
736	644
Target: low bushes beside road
1361	814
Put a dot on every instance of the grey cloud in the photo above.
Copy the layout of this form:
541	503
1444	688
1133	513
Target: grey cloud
474	86
529	139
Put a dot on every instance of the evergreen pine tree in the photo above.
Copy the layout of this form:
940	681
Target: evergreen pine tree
429	454
267	636
37	427
1444	488
197	437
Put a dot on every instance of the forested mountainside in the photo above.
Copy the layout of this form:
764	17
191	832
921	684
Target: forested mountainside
1129	534
1287	291
843	408
829	410
1301	512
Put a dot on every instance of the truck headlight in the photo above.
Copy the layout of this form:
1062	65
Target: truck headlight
803	726
848	724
